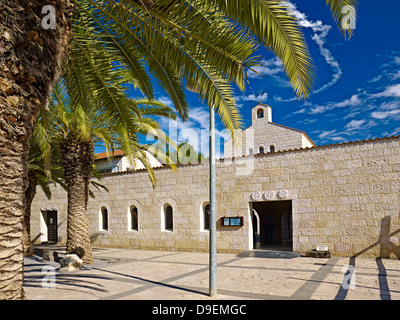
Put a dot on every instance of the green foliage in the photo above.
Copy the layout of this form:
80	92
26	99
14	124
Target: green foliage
206	46
336	7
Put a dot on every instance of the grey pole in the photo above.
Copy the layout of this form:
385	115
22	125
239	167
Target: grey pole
213	224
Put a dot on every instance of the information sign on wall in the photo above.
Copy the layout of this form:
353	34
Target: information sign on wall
232	221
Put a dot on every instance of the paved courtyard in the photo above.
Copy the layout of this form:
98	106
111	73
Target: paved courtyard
166	275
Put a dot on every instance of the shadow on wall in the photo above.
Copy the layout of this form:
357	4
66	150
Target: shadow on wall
94	237
36	238
387	249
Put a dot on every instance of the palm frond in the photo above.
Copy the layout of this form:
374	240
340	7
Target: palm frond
132	65
155	108
270	22
120	22
344	11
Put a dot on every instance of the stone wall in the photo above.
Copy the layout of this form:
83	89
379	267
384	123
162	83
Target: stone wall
345	196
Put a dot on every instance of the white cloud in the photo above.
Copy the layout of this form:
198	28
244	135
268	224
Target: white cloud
390	105
355	124
330	135
352	114
321	31
394	132
269	67
351	102
394	76
302	110
330	60
273	68
376	79
166	100
200	115
279	99
318	109
385	114
252	97
325	134
338	138
391	91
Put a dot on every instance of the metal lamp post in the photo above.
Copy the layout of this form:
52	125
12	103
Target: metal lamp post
213	216
193	87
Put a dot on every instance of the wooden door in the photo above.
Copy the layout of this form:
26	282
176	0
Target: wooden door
52	234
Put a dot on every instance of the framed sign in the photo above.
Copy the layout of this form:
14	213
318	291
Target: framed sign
232	221
236	221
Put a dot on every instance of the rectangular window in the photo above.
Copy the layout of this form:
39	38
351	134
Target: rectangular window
207	217
169	222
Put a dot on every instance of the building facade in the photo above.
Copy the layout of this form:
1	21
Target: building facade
264	136
116	162
345	196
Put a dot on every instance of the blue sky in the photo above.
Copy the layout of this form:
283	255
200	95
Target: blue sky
356	94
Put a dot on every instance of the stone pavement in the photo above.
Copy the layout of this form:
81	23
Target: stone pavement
171	275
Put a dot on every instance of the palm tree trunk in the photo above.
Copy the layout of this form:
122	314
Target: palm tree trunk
12	188
30	61
77	160
29	195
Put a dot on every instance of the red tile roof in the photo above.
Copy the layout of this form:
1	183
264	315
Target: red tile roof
103	155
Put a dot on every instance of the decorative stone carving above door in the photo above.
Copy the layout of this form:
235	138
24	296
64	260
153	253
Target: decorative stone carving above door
48	207
269	195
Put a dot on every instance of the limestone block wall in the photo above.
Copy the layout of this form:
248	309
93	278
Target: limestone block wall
40	206
345	196
267	134
186	191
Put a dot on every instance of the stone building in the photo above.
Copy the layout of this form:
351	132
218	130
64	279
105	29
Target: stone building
119	162
345	196
265	136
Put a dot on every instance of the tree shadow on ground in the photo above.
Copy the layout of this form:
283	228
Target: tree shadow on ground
39	275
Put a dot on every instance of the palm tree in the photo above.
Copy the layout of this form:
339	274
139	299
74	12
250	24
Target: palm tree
78	128
202	42
92	103
30	61
44	167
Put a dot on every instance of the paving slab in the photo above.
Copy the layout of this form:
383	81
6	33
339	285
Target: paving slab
125	274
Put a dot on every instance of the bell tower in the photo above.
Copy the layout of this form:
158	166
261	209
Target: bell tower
261	113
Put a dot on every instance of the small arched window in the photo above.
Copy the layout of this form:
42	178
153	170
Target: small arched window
104	218
261	150
168	218
251	151
260	113
271	148
134	218
206	217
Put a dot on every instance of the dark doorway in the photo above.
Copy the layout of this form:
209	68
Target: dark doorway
280	214
52	231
